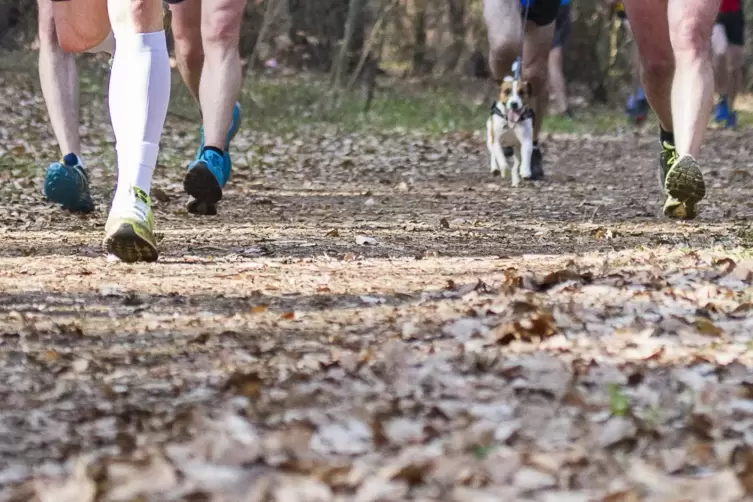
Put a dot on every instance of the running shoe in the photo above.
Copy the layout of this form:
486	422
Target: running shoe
682	183
66	183
129	231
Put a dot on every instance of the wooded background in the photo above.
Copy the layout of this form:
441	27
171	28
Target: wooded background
405	38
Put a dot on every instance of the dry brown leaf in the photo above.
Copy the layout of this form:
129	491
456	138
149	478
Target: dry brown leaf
707	327
531	328
249	385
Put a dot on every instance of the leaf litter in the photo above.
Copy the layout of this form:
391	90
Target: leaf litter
458	340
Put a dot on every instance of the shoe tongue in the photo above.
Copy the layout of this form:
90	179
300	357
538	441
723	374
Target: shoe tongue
70	159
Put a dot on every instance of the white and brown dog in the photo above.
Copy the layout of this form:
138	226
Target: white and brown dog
509	131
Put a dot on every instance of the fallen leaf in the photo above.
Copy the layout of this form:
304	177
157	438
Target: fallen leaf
363	240
707	327
528	479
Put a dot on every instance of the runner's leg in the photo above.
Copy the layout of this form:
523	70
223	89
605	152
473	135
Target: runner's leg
189	52
139	95
59	80
690	26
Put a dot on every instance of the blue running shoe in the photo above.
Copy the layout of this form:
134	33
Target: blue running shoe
235	125
732	120
67	184
722	110
204	197
204	181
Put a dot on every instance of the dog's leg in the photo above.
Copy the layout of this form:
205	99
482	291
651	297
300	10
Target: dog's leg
500	158
526	150
490	140
515	173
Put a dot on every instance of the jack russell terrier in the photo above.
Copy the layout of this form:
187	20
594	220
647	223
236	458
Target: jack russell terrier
509	131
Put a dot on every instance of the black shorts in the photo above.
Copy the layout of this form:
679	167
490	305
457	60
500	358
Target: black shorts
541	12
734	26
562	26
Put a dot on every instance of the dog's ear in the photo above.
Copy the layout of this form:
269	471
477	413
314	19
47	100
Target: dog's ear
505	90
525	90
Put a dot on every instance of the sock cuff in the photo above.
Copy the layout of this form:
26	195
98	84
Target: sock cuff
142	42
667	136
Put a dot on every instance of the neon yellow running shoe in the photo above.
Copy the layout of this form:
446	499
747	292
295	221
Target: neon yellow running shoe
129	231
682	182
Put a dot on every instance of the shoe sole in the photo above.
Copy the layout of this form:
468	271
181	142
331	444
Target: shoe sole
684	182
130	247
677	210
61	188
201	184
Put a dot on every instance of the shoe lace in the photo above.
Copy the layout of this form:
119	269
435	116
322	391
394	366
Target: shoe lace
140	206
670	153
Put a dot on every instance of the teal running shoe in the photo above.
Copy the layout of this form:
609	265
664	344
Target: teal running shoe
204	181
66	183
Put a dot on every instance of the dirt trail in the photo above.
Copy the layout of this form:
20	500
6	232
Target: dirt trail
375	318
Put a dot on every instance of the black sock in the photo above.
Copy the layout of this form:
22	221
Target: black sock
666	137
214	149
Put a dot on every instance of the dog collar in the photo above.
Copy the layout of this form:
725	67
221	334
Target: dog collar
527	114
497	111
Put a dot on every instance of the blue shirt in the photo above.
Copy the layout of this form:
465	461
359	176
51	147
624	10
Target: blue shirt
530	3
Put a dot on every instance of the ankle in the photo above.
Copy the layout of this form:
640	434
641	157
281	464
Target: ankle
666	136
219	151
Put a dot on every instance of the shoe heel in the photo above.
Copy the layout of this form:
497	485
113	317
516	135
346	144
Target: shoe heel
129	247
201	184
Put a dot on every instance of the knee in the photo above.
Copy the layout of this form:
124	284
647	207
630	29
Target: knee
187	42
221	26
690	39
502	54
537	73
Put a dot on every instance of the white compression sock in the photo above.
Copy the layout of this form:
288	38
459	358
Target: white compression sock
139	95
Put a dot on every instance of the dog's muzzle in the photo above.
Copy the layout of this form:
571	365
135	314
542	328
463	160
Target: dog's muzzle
515	113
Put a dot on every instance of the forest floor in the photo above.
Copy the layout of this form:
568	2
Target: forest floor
372	317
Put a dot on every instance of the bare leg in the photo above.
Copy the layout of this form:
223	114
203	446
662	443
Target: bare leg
735	67
189	51
221	77
651	34
505	33
59	79
719	45
538	40
690	26
557	80
635	59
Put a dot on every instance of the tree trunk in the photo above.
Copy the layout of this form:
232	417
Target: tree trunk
456	19
354	20
419	38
